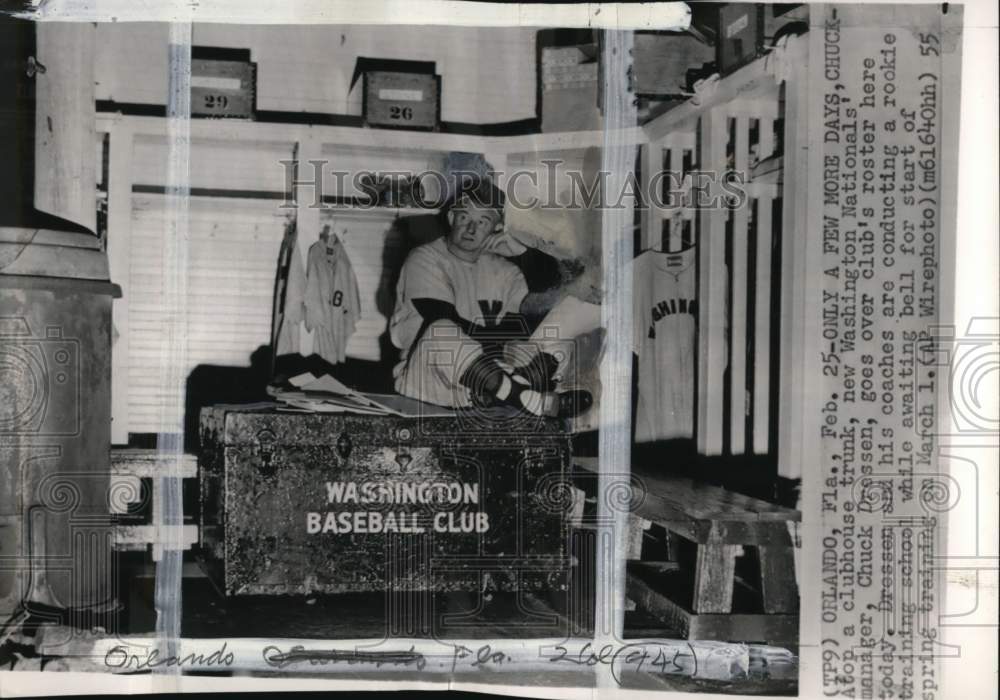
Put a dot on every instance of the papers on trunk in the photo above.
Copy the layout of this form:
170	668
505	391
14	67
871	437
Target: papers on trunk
326	394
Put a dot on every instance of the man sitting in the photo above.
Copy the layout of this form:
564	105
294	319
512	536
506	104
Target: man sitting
459	304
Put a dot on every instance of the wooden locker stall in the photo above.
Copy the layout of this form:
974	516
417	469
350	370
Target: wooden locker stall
737	128
721	170
235	231
241	200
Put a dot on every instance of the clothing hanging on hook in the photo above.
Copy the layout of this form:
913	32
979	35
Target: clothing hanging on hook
332	301
665	330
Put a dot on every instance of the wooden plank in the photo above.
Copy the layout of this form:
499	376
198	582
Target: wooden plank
749	533
777	579
75	263
650	215
765	104
756	190
307	217
399	141
773	629
762	330
689	210
711	290
44	237
765	138
715	567
120	142
670	498
738	312
529	143
637	527
708	502
129	537
649	599
793	263
684	139
151	463
65	171
676	222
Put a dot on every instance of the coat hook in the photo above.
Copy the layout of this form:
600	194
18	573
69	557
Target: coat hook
34	67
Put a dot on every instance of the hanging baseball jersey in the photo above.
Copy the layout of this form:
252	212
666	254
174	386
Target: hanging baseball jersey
332	302
665	312
289	295
482	291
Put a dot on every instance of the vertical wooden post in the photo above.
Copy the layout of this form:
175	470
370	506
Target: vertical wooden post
793	264
676	219
777	579
762	409
765	137
737	320
637	527
65	172
120	144
714	578
614	442
711	287
651	215
307	191
762	328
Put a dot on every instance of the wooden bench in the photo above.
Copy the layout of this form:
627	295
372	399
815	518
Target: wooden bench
710	602
128	467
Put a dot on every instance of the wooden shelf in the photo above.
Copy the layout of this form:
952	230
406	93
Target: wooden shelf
414	142
355	210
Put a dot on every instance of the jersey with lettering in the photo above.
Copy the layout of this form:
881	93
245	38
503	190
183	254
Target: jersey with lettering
665	312
482	291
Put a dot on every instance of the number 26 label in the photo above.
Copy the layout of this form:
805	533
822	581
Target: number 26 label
402	113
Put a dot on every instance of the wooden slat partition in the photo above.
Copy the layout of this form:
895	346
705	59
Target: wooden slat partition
746	256
662	170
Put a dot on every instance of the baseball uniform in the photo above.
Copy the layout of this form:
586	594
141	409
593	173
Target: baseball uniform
665	312
434	355
332	302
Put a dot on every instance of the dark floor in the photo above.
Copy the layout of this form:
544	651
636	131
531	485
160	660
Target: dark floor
209	614
472	615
